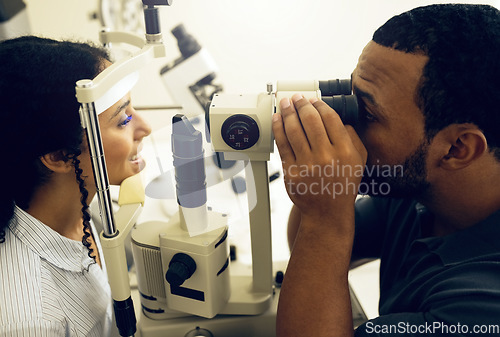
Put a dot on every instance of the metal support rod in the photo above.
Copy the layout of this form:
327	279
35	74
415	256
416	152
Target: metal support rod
260	228
90	121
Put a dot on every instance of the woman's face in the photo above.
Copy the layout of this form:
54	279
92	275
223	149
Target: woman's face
122	131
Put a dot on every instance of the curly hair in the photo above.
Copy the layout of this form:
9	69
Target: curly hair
461	80
39	114
85	207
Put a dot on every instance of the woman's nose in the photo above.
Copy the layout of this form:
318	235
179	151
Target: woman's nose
142	126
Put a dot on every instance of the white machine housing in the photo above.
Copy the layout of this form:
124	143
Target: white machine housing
259	107
206	292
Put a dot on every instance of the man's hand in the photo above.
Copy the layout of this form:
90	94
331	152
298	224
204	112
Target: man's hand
323	160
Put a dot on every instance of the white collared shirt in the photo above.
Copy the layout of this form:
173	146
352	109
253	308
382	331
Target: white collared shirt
48	284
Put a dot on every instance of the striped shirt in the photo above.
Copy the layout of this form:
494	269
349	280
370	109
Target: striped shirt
48	284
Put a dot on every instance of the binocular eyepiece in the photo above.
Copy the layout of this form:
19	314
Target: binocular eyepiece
338	95
242	123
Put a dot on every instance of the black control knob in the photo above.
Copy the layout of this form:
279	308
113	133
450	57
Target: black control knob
278	279
180	268
240	132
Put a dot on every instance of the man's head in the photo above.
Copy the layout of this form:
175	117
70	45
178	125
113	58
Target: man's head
428	85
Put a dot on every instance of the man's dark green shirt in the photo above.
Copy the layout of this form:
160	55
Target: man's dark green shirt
439	286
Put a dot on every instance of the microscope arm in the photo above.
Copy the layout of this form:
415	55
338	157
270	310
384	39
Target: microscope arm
260	228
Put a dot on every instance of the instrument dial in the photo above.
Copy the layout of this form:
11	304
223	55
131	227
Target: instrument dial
240	132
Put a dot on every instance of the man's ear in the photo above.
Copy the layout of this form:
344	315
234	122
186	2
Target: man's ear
466	143
55	161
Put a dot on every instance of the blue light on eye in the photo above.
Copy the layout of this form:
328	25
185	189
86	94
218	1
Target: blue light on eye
126	121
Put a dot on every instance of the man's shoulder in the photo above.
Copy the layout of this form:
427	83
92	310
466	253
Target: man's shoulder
385	204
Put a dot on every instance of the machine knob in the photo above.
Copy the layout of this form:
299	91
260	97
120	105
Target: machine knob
278	279
180	268
240	132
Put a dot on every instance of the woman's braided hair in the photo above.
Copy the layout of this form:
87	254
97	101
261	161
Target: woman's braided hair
85	206
39	115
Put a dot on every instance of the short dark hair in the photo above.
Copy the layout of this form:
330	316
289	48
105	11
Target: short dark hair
461	80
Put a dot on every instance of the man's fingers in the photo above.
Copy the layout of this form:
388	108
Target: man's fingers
311	122
331	120
293	128
280	137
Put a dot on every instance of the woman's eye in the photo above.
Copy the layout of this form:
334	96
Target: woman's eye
126	121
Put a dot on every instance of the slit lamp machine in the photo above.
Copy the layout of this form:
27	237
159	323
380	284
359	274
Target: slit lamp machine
183	265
